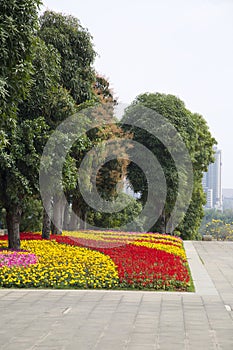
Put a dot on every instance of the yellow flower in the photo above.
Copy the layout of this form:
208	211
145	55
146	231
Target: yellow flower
58	264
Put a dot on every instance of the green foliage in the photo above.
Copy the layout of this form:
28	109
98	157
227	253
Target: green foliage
73	42
117	219
19	174
199	142
225	215
112	172
32	215
42	79
34	102
102	90
212	216
219	230
2	218
70	48
45	82
18	21
189	227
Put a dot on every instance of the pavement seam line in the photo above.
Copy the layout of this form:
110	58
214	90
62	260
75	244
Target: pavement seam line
202	281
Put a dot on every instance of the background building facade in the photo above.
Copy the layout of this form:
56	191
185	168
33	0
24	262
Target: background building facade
212	182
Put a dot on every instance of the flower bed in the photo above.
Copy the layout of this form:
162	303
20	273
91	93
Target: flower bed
94	259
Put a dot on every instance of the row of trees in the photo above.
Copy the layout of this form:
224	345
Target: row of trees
213	214
46	75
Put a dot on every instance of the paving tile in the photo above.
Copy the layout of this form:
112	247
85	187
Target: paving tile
127	320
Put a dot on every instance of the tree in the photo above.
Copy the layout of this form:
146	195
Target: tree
18	22
19	177
87	89
118	219
199	142
49	99
74	43
109	175
112	172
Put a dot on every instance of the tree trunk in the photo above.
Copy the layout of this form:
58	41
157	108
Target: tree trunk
78	221
58	215
46	225
46	219
66	219
84	219
82	214
13	217
163	223
73	225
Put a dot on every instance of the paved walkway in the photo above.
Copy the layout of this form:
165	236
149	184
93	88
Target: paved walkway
109	320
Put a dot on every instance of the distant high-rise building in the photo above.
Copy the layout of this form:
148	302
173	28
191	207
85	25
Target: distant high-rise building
212	182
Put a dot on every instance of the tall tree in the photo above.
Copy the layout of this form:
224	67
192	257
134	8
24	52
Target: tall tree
49	99
18	23
111	174
74	45
199	142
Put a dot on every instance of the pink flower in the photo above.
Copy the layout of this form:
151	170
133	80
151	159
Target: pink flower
11	259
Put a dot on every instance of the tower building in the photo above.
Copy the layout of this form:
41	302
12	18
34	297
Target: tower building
212	182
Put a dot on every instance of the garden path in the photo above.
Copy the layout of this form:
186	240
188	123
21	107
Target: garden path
108	320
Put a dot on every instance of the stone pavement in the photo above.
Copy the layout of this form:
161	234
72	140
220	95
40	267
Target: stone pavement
218	261
109	320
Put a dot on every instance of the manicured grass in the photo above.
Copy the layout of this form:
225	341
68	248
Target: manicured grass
95	259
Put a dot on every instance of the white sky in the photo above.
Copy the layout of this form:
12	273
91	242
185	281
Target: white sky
181	47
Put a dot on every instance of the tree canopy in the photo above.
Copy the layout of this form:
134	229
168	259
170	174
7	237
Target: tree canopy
18	24
74	43
47	75
195	133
